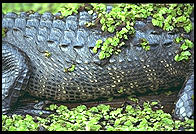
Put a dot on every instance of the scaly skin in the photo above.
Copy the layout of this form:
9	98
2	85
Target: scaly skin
70	42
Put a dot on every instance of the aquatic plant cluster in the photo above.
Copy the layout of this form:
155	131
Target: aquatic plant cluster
122	17
98	118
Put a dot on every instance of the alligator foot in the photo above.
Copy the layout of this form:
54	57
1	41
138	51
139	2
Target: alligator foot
38	109
185	105
37	112
33	108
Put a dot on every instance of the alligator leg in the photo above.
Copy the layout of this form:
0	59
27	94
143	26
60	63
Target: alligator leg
185	105
15	75
36	109
32	106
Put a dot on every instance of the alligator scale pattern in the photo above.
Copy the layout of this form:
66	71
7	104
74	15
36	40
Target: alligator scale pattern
134	70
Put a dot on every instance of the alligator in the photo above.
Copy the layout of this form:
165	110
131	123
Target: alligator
38	48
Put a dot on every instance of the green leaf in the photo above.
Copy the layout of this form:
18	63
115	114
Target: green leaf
110	128
128	27
103	107
110	21
157	23
169	28
90	12
81	108
124	30
179	12
117	122
101	55
147	48
111	51
185	53
111	29
72	68
144	44
116	39
184	46
159	17
189	43
47	54
102	21
107	55
95	49
163	10
12	128
93	109
110	40
168	19
122	43
181	19
103	28
65	12
119	35
88	24
176	58
128	123
53	107
114	43
188	28
98	43
104	47
143	11
183	56
117	23
125	37
172	6
178	39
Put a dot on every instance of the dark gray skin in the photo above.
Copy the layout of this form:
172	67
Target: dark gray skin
138	71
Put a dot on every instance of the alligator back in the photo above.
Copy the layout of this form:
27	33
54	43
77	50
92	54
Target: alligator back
133	71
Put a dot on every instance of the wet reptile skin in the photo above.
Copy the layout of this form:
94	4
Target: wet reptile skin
70	42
